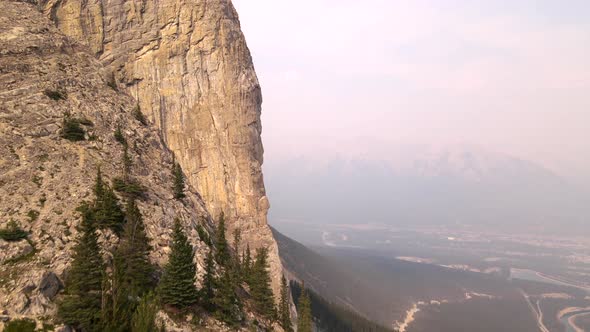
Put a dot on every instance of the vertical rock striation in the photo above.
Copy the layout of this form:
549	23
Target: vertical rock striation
187	64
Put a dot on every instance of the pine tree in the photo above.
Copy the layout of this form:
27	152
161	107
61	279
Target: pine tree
284	315
81	306
304	312
144	318
178	181
132	253
131	273
127	163
208	289
247	265
237	264
177	286
260	285
226	301
107	212
222	255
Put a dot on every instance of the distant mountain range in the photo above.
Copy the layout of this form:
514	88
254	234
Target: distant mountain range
458	186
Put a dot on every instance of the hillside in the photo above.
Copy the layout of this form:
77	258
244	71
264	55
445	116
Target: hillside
187	65
62	118
385	290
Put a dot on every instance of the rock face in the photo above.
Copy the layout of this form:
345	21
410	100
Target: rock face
43	177
187	64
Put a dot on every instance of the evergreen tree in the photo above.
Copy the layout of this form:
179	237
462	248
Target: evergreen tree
226	301
127	163
260	285
131	272
132	254
222	255
208	289
178	181
107	212
237	264
304	318
144	318
284	315
247	265
81	306
177	286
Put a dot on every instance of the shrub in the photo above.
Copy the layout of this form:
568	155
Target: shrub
130	188
112	82
20	325
55	95
203	235
71	129
33	215
12	232
139	116
119	136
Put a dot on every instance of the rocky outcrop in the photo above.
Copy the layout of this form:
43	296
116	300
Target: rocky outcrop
187	64
43	177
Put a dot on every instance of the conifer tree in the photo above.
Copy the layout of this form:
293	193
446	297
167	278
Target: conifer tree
178	181
304	318
177	286
237	263
247	265
127	163
226	301
284	315
106	209
208	289
144	318
222	255
132	253
81	306
260	285
131	273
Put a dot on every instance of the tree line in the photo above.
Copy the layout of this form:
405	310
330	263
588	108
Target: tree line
123	292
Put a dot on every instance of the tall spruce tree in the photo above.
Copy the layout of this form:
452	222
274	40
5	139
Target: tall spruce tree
226	301
132	254
131	275
144	317
260	285
304	319
208	289
284	314
81	305
222	254
107	211
247	265
177	286
237	263
178	181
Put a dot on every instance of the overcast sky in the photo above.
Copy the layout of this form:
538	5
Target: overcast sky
513	76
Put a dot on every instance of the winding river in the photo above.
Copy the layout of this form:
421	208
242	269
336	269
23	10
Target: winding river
568	320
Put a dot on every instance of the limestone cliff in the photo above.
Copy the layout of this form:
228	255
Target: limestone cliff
43	177
44	75
187	64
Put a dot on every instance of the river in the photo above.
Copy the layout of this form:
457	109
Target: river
569	323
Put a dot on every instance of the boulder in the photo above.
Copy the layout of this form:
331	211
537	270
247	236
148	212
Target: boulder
50	285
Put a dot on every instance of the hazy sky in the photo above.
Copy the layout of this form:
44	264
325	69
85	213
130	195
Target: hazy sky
513	76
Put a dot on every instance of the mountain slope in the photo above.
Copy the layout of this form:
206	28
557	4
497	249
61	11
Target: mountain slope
51	83
187	64
44	177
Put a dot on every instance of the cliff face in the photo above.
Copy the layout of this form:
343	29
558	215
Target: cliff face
187	64
43	177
